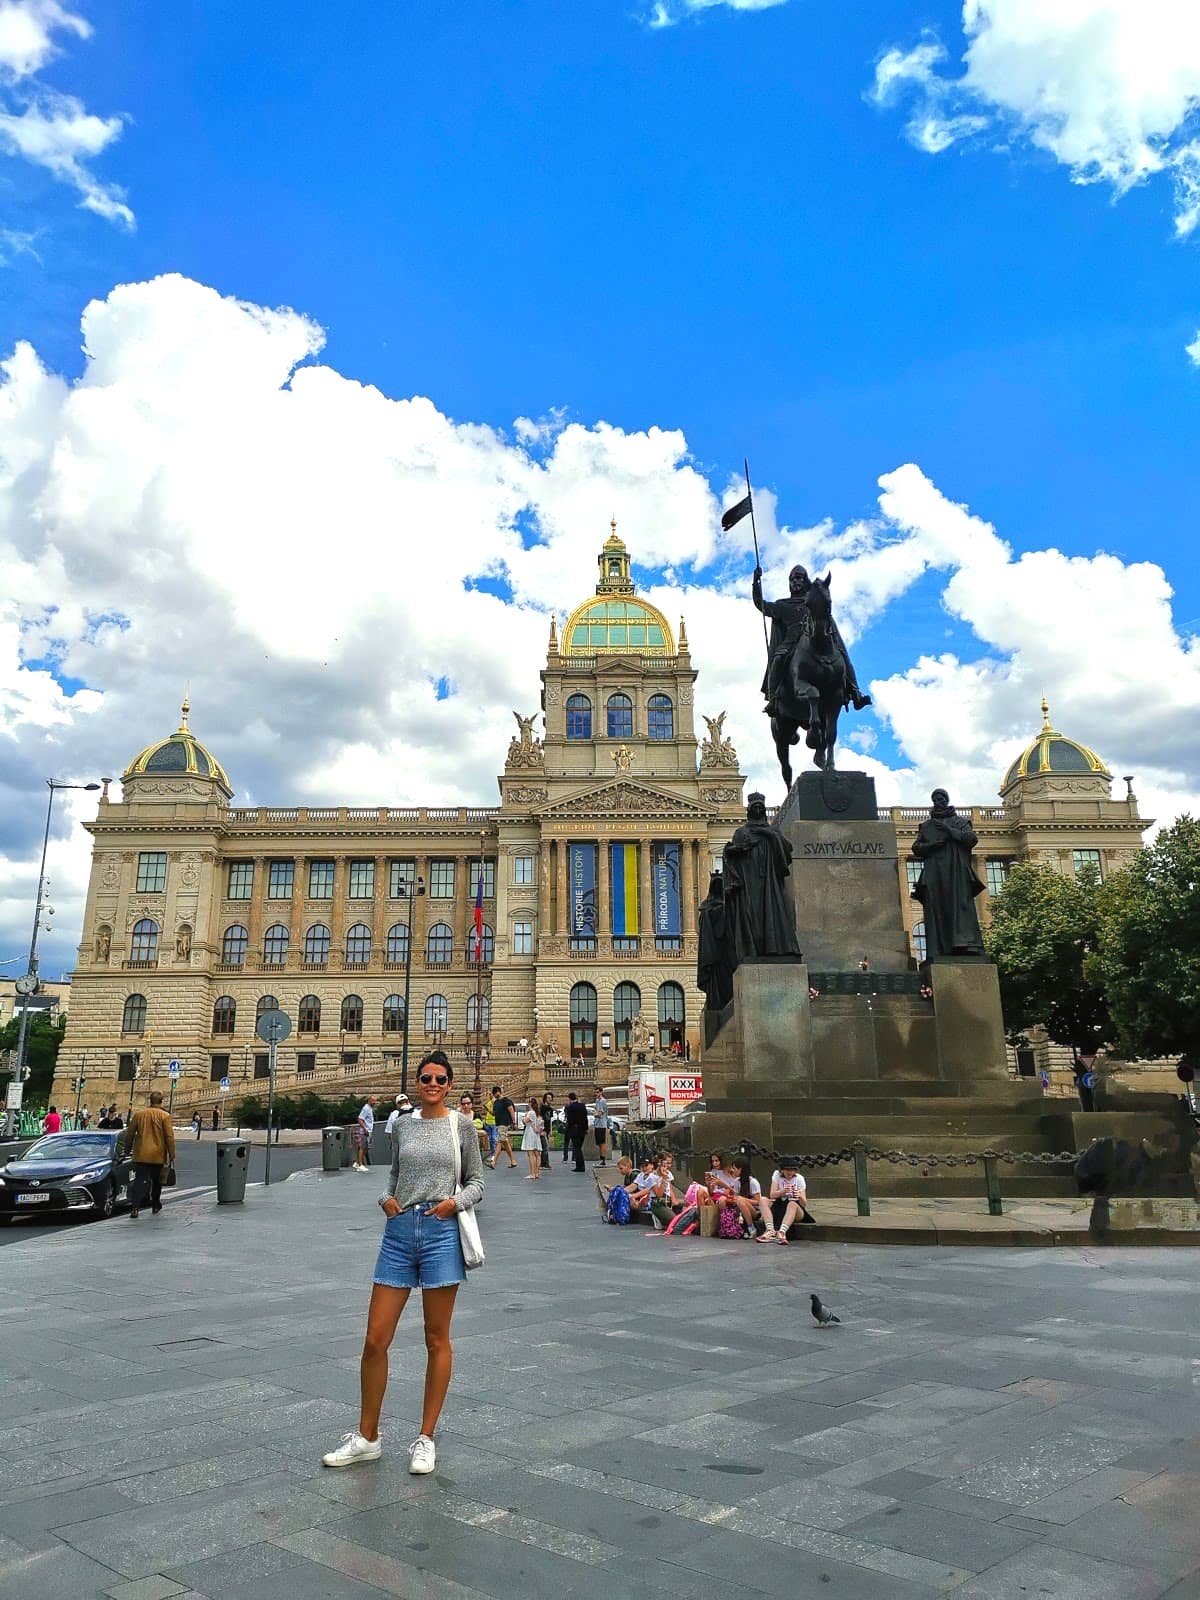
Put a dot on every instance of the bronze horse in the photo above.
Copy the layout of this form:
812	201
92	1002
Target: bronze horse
813	691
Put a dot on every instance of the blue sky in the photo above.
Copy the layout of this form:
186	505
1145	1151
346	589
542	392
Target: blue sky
563	213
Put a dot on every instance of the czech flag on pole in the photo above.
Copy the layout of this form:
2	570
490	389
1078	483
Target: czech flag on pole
477	954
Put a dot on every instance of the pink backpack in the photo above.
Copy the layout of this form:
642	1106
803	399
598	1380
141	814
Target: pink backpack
730	1224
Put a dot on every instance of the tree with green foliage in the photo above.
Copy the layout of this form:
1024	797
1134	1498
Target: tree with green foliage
42	1041
1045	932
1149	951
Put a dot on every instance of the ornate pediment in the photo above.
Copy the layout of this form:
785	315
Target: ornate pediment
625	798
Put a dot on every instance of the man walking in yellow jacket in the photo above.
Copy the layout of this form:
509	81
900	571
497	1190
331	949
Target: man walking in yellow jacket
150	1140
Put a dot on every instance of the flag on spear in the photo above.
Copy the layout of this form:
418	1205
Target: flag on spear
735	513
477	953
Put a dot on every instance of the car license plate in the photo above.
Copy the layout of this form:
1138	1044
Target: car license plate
31	1199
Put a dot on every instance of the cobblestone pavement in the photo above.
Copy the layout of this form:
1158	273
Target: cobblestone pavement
631	1414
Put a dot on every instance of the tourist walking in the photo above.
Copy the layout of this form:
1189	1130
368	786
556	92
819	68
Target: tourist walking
436	1172
150	1140
363	1130
600	1125
197	1124
505	1113
546	1112
489	1128
402	1108
216	1118
531	1141
575	1127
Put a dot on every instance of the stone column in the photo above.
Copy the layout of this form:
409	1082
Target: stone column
687	893
337	911
561	919
543	902
645	896
603	890
255	921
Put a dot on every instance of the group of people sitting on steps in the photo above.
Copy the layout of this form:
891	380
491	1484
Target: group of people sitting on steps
733	1199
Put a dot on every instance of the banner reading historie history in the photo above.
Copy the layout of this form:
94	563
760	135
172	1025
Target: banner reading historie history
664	879
624	890
581	865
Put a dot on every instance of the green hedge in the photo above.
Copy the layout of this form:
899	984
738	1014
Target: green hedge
295	1111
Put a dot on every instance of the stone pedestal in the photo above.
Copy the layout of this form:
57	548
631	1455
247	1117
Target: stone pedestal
844	879
970	1024
772	1022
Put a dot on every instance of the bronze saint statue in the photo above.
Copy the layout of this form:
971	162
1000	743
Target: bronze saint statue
760	916
948	885
715	959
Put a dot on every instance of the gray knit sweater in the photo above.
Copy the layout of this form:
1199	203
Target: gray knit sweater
423	1162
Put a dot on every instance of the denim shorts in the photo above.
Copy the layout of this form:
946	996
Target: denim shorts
420	1251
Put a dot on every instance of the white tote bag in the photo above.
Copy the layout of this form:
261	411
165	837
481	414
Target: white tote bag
468	1226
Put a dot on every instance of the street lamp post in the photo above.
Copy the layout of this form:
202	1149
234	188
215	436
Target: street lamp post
409	894
23	1030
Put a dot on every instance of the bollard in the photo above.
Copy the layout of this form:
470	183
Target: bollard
233	1161
862	1188
332	1141
991	1178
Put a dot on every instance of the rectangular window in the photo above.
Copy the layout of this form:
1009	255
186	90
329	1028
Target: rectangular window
262	1064
668	941
523	869
623	945
1083	859
401	877
126	1066
306	1062
241	880
522	938
218	1068
441	880
913	869
281	877
489	879
320	880
152	872
997	869
362	880
350	1059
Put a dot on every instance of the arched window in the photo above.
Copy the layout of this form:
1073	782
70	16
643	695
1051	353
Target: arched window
144	946
268	1002
670	1015
393	1014
225	1014
397	944
133	1018
487	944
352	1014
440	945
233	945
583	1021
358	945
579	717
309	1018
627	1002
660	717
620	716
437	1014
479	1013
316	945
920	947
275	944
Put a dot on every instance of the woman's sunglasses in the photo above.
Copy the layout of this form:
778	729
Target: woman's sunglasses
428	1077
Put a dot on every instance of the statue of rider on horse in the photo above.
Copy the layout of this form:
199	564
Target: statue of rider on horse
809	678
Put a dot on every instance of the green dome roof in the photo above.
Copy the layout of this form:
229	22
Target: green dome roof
180	755
1052	751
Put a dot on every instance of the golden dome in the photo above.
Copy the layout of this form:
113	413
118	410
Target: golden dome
1052	751
180	755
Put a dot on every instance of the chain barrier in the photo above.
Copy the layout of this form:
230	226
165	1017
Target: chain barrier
636	1144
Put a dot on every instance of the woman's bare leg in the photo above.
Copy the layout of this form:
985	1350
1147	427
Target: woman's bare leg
438	1307
790	1212
382	1316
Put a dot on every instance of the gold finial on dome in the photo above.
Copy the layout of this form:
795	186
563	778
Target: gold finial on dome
1047	726
185	709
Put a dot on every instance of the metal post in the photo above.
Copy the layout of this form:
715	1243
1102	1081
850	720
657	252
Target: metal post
79	1083
862	1187
270	1101
991	1178
23	1030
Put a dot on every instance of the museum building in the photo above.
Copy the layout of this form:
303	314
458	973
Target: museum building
358	921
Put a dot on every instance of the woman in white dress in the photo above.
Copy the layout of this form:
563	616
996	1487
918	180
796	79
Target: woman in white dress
531	1142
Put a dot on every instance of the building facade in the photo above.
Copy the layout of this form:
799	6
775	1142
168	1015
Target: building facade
358	921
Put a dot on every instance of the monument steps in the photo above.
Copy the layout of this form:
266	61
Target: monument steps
975	1131
855	1095
1016	1183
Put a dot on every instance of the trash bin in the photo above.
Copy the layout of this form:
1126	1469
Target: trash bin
233	1161
332	1146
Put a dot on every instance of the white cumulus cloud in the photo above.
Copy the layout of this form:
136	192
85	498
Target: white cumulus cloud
358	588
1109	88
666	13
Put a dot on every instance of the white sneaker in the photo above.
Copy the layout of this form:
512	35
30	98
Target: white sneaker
422	1454
353	1448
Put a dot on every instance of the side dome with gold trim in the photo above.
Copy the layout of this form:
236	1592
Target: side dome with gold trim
1052	752
616	621
181	755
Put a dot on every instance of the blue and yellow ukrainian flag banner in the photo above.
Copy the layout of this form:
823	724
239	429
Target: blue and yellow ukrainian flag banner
624	891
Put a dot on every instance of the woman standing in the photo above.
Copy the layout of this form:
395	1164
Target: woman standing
421	1249
531	1141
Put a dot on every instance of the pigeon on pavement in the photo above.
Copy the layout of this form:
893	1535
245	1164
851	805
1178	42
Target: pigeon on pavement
822	1316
